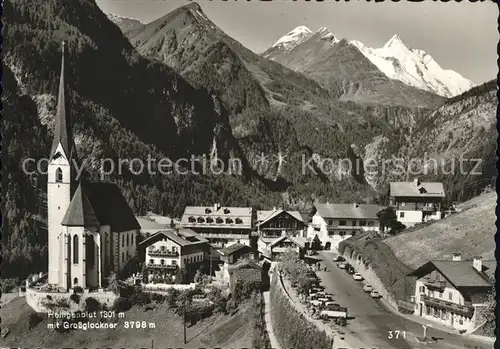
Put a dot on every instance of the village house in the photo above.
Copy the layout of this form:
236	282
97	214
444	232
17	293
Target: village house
247	271
451	291
169	250
271	248
333	223
220	225
231	255
277	222
416	202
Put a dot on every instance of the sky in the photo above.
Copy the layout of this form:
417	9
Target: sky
459	36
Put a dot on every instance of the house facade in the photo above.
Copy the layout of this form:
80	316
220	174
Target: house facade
169	250
232	254
451	292
277	222
91	229
333	223
416	202
220	225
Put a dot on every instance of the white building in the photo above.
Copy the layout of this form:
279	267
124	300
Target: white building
91	229
220	225
171	249
416	202
451	291
333	223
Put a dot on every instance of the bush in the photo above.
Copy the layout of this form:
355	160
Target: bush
75	298
139	297
34	319
77	289
92	304
9	285
291	328
122	304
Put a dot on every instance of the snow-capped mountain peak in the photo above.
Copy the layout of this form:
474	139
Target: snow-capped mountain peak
116	18
293	38
414	67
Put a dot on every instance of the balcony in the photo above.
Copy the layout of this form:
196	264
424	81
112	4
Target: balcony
466	310
162	266
439	284
163	253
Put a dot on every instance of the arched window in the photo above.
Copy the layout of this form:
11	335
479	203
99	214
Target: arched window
132	238
75	249
128	240
59	175
75	281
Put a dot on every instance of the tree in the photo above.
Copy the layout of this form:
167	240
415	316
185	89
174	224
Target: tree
488	314
113	284
198	276
388	220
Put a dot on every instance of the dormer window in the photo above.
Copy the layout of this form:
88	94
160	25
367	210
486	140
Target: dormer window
192	220
219	220
59	175
208	211
238	221
210	220
229	221
201	220
422	190
226	211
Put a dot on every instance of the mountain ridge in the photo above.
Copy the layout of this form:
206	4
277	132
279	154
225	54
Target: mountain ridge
396	61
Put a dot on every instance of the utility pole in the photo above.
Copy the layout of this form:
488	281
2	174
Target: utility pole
184	316
210	258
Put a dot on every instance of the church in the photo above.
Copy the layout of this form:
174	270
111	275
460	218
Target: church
91	229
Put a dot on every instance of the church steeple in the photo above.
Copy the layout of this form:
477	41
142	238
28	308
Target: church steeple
63	134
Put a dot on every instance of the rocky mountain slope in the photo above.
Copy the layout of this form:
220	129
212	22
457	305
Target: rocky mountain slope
125	24
455	144
340	66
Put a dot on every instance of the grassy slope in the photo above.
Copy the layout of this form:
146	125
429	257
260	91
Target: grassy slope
469	232
167	334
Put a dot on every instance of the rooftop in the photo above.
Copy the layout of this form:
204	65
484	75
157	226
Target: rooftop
417	189
182	237
231	249
350	211
265	216
217	217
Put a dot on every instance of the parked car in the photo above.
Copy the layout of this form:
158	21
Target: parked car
350	270
331	303
338	259
334	311
367	288
357	277
316	302
375	294
342	265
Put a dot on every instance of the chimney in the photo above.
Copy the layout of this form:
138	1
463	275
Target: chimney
216	206
328	202
416	182
477	263
274	208
356	205
457	256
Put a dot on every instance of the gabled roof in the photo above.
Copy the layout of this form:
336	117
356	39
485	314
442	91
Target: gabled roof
215	213
417	189
184	237
461	274
266	216
80	212
105	202
299	241
63	133
348	211
236	247
245	264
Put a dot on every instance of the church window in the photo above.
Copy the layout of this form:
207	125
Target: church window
75	281
132	239
128	240
123	256
123	241
59	175
75	249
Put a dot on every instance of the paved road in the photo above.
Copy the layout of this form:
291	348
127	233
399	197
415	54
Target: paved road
373	322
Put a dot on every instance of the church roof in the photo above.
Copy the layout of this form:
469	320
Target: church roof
101	203
63	133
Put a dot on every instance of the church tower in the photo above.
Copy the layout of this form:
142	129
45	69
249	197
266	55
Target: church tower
60	186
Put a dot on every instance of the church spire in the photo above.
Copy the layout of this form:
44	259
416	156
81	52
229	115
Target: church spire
62	131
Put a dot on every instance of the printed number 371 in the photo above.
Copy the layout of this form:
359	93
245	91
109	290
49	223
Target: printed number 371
396	334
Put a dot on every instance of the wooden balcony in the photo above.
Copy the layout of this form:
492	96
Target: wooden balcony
162	266
466	310
436	284
163	253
